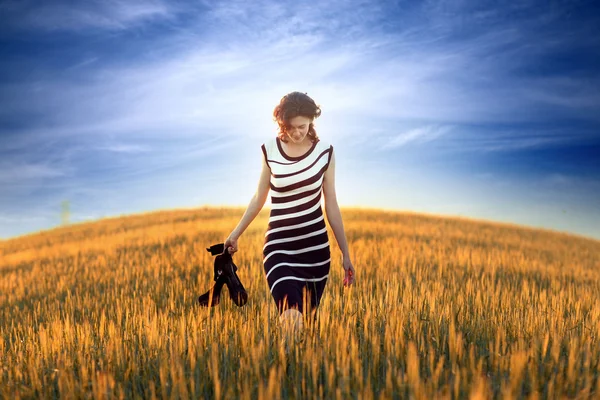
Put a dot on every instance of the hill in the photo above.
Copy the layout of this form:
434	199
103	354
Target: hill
442	307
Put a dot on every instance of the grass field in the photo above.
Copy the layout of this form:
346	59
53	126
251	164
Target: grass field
444	308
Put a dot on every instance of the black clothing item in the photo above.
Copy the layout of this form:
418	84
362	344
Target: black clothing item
225	274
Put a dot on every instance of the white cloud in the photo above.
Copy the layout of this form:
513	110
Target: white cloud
81	64
125	148
493	139
420	135
229	79
105	15
19	172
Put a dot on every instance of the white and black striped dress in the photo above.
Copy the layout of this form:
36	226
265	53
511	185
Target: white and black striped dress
296	254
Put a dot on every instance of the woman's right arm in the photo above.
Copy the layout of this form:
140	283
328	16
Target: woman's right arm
256	204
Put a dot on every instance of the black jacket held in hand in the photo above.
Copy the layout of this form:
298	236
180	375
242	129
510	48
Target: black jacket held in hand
225	274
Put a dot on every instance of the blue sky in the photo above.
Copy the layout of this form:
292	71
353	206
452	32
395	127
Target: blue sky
480	109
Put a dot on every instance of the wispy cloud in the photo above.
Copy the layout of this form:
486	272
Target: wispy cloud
579	95
420	135
17	173
63	16
563	181
483	139
416	73
82	64
125	148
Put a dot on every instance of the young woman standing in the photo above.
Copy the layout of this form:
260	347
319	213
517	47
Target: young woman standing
297	167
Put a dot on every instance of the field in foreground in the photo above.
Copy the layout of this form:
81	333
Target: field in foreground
442	308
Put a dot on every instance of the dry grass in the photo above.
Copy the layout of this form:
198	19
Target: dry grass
442	308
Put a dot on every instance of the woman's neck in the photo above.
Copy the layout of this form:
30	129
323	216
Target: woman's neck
297	149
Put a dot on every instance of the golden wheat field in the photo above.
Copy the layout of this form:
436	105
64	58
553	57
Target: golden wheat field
441	308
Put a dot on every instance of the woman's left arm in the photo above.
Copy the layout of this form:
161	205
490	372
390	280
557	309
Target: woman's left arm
334	216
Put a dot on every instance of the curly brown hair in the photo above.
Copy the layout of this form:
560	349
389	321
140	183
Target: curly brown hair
292	105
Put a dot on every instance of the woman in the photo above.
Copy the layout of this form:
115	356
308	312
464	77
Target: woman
297	166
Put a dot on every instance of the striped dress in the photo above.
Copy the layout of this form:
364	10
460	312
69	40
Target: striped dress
296	254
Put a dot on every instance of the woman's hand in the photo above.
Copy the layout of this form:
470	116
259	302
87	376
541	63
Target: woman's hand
349	271
231	243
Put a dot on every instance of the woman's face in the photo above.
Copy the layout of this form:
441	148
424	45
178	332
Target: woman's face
298	129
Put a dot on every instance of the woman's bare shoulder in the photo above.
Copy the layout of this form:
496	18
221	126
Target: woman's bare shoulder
324	144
